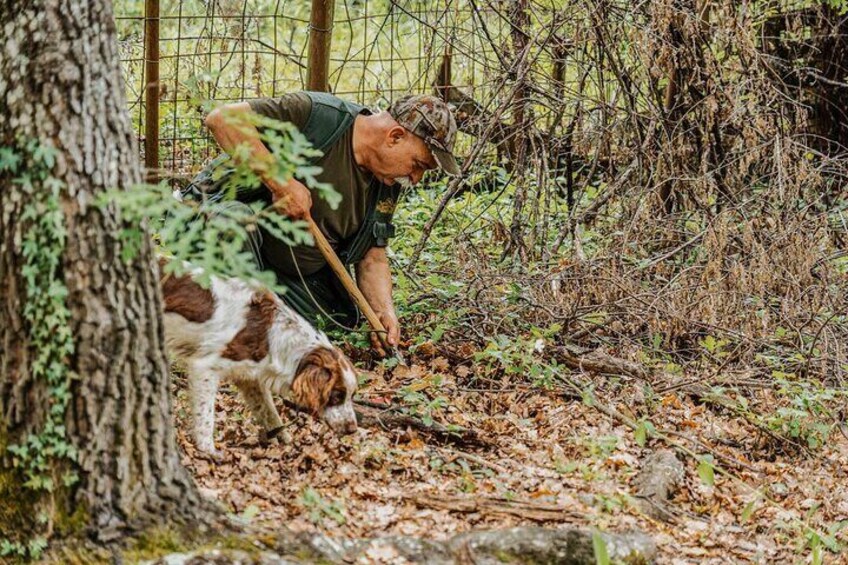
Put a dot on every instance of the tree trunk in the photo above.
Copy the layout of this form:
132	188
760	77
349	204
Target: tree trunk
672	112
60	84
521	118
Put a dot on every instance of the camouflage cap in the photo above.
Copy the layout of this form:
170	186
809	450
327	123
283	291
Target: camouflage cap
430	119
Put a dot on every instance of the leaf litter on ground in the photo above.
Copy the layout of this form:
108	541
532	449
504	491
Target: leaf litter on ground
553	461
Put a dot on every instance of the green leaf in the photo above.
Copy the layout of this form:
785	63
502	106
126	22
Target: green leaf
817	553
437	333
600	548
46	155
830	543
748	511
9	159
250	513
36	547
7	547
641	434
706	470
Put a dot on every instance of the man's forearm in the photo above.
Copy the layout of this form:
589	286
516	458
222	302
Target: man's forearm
374	279
231	130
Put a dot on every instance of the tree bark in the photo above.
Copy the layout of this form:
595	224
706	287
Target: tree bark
671	115
521	118
60	83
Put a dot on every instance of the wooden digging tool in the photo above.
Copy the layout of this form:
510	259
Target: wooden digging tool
343	274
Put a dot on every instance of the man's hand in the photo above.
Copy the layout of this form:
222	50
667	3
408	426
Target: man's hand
390	322
293	199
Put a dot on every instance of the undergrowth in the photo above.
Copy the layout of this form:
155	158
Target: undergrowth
729	306
749	318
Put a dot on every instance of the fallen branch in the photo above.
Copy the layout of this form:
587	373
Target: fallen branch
525	544
497	506
597	362
372	415
387	416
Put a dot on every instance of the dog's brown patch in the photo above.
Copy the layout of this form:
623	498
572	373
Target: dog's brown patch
185	297
318	375
251	342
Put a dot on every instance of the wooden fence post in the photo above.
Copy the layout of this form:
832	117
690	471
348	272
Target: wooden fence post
320	40
151	90
443	77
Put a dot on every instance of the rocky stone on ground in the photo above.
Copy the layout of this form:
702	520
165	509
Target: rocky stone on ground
661	475
524	545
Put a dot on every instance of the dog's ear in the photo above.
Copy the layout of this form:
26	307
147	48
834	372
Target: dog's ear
316	376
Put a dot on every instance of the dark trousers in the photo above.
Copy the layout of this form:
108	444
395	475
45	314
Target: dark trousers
320	296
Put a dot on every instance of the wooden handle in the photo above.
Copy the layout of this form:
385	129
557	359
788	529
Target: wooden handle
343	274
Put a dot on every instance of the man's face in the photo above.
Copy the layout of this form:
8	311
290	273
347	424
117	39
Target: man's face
403	158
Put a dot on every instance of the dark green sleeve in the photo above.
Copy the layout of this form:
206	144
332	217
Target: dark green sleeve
294	108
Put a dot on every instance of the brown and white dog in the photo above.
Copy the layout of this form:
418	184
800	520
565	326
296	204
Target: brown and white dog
237	332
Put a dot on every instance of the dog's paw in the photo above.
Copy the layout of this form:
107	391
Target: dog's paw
266	437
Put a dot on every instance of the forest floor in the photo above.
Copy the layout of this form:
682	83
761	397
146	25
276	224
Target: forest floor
550	458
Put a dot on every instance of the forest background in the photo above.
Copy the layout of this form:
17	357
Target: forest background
659	182
651	230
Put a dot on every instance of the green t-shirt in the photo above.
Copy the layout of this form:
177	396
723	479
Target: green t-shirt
339	170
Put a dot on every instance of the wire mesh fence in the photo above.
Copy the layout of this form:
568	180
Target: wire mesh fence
232	50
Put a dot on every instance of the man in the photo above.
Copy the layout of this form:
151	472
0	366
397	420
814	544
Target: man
367	157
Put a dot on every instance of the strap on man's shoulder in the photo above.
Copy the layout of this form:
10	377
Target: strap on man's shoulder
329	119
377	228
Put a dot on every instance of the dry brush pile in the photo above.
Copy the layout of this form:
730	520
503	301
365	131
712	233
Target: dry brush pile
675	232
684	181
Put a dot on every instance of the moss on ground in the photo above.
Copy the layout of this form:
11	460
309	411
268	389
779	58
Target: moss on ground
160	541
17	507
156	542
